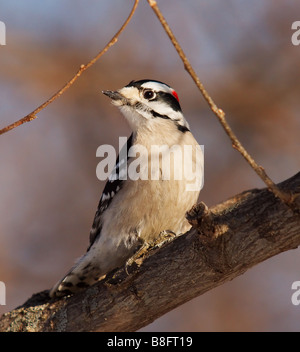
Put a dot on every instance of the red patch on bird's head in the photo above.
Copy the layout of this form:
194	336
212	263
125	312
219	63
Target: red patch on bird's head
175	95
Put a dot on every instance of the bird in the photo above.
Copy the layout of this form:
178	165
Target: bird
133	211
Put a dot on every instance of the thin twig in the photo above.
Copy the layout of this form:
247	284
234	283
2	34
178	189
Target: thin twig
82	68
286	198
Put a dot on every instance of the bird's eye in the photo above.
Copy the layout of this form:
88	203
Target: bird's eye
149	94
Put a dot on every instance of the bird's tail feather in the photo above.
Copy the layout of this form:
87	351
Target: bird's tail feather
82	275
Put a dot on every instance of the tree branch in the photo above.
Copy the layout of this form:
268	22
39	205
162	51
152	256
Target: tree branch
224	242
33	114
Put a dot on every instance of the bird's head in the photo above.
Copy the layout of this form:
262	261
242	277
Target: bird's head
147	103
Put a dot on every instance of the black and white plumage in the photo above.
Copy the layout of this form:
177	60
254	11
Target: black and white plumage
133	211
112	187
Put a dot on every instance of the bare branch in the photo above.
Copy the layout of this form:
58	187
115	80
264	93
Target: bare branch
33	114
226	240
286	198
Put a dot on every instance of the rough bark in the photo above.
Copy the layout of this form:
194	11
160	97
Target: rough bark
224	242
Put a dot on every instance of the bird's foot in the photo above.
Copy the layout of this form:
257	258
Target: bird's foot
163	238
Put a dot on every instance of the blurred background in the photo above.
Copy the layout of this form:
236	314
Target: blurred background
49	192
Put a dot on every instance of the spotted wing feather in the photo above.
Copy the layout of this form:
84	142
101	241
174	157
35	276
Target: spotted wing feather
112	187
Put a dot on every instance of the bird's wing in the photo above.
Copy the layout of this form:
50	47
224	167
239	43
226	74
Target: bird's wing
112	187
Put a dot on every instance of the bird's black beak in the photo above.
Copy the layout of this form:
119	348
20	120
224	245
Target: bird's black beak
114	95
